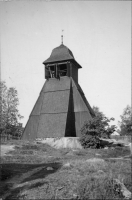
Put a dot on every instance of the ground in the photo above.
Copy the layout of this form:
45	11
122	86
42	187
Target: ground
39	171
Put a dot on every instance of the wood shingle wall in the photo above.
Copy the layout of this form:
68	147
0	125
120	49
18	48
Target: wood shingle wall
60	110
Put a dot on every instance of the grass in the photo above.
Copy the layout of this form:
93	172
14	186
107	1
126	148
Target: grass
98	188
116	152
38	171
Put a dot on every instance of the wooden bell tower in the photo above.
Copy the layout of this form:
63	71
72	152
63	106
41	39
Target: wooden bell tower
61	108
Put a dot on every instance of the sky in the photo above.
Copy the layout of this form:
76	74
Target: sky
97	32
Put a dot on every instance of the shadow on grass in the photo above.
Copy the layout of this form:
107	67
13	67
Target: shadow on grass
43	172
11	172
36	185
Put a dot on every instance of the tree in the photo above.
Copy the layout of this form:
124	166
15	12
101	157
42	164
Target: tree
95	128
97	111
9	102
126	121
103	121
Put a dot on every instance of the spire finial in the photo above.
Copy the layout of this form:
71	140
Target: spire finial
62	37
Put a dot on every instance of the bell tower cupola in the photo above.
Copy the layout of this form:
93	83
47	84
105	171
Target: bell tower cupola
61	63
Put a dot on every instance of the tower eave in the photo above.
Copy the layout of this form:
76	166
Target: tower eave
58	61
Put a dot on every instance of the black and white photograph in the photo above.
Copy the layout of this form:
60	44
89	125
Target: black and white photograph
65	99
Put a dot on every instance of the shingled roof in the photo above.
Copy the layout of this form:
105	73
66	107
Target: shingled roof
60	111
61	53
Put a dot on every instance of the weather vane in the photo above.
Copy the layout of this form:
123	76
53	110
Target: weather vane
62	37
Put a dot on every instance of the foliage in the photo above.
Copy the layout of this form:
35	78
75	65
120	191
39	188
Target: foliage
95	128
14	130
90	141
9	114
126	121
97	111
101	123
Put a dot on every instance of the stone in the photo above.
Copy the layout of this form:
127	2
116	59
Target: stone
97	154
129	146
49	168
101	172
125	192
106	148
67	165
111	143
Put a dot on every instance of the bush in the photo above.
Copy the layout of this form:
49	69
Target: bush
90	141
94	129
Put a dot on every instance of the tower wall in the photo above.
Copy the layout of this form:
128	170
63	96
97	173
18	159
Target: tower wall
49	115
60	111
74	72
